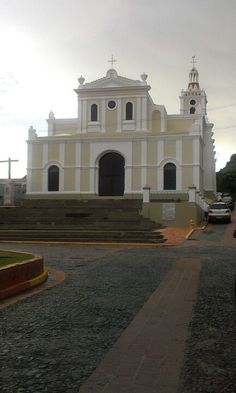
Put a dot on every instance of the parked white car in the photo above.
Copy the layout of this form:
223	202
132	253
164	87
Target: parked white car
219	211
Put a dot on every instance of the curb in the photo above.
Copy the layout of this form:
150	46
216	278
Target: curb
187	237
19	277
141	245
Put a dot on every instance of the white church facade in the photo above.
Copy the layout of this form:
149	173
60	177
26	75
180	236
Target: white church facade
121	142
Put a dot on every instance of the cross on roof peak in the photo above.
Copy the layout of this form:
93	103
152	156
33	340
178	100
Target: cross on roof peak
112	61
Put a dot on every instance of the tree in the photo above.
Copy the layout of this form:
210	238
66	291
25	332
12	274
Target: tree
226	177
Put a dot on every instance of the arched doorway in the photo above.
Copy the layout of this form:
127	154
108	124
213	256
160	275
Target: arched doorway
53	178
170	176
111	175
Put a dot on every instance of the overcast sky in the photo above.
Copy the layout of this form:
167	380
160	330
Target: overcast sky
45	45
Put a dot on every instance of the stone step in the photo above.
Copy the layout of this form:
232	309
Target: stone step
103	220
77	203
83	236
106	226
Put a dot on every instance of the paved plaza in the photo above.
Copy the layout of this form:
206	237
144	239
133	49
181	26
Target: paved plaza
126	320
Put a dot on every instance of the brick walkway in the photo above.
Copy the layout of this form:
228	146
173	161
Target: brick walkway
175	235
148	356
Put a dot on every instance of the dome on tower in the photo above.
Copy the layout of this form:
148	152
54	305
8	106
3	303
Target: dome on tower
193	75
193	80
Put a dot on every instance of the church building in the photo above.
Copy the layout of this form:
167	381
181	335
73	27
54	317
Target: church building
121	142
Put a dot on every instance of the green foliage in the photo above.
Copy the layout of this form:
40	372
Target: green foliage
226	178
7	257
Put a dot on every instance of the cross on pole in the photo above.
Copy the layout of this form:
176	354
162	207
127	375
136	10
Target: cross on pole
112	61
9	166
193	61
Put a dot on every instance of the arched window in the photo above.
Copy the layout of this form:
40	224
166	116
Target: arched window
94	112
170	176
129	111
53	178
192	110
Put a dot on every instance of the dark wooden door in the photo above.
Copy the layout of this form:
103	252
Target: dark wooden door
169	177
111	175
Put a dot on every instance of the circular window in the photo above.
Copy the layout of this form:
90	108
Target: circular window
192	102
111	104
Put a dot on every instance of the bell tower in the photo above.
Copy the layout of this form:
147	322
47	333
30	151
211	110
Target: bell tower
193	100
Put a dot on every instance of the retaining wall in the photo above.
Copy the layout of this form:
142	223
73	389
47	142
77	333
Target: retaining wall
21	276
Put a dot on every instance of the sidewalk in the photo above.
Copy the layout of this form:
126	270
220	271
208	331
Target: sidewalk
148	356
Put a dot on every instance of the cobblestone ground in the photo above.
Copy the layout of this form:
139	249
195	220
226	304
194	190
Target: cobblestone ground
52	341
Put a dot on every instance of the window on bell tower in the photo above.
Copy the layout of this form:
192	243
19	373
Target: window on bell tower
192	110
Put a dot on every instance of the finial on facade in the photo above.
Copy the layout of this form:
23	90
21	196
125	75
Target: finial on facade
81	80
144	76
111	73
112	61
51	115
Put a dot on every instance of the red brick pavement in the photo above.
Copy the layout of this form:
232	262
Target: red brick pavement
175	235
148	356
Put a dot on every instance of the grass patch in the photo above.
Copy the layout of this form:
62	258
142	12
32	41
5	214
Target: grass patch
7	257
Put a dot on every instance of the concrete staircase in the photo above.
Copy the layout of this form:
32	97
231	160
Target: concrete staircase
95	220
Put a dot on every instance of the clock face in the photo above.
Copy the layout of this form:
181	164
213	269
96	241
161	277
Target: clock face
192	102
111	104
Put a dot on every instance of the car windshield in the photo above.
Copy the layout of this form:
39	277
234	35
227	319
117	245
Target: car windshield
218	206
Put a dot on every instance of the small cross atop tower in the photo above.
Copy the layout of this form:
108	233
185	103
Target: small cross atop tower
193	61
112	61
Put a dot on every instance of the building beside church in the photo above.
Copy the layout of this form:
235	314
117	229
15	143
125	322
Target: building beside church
121	141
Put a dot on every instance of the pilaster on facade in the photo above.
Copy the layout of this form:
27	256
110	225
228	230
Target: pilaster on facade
84	117
92	180
61	180
45	179
62	154
103	115
80	116
138	114
128	179
196	176
77	165
143	163
196	151
29	155
179	147
29	180
45	154
144	120
160	183
160	151
119	116
178	177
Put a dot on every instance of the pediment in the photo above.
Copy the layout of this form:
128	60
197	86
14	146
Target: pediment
112	80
